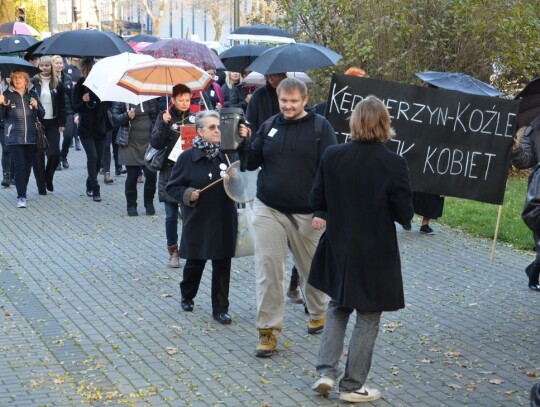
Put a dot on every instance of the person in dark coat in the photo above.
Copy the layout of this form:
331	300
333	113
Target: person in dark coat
210	218
264	102
67	81
136	123
526	154
166	132
92	127
364	188
20	108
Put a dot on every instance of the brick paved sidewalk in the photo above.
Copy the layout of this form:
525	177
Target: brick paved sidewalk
91	314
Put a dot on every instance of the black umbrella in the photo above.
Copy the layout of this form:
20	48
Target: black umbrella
297	57
261	33
460	82
9	64
16	43
238	58
83	44
529	107
143	38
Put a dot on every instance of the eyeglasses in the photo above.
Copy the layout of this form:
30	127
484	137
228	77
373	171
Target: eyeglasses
213	127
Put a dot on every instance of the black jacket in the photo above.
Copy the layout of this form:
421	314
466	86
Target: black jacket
288	156
166	134
67	81
93	117
20	118
263	104
364	188
58	100
209	224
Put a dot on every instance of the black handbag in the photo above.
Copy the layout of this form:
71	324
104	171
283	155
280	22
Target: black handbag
155	159
531	209
42	144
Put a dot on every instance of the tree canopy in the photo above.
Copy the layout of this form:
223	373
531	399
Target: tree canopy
497	42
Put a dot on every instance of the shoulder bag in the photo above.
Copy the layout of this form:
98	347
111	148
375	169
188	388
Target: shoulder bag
41	139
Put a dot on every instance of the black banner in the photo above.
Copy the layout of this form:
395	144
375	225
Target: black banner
456	144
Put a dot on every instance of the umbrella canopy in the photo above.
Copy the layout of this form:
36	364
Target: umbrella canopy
138	46
529	107
239	57
258	79
16	43
143	38
83	44
261	33
16	28
9	64
158	77
194	52
297	57
105	74
460	82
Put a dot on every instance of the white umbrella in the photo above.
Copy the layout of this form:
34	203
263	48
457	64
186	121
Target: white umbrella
105	74
257	79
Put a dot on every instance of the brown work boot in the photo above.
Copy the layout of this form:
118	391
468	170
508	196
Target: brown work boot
174	260
267	343
316	325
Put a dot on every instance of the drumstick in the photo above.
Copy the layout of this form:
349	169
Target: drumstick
209	185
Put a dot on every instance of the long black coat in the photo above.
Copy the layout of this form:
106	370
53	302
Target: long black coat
364	187
209	225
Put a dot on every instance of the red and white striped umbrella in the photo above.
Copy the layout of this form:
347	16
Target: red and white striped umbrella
158	77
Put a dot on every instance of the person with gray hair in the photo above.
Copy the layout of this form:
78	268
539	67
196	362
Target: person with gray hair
287	147
210	218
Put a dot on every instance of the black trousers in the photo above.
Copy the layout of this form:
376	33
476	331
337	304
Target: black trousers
150	183
44	172
22	156
68	136
93	147
221	276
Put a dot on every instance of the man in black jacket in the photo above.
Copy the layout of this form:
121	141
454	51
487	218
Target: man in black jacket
288	149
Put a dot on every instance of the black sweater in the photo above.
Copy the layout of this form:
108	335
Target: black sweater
289	156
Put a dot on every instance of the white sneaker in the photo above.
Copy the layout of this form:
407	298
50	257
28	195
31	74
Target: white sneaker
360	395
323	385
21	203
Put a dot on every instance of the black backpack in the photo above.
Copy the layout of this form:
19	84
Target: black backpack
531	209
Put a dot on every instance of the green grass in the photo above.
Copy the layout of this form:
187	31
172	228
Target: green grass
479	219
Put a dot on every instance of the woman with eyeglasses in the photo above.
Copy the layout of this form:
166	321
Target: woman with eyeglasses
209	215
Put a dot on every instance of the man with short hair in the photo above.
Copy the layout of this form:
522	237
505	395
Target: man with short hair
287	147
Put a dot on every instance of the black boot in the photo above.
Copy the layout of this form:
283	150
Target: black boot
131	199
149	199
89	191
96	196
6	180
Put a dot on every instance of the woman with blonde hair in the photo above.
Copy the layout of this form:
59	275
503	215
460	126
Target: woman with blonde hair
20	108
51	95
363	188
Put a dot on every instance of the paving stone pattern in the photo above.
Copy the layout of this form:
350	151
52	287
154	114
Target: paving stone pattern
90	315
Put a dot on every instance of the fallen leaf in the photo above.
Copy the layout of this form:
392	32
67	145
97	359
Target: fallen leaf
265	381
454	386
495	381
7	314
166	295
531	374
394	370
452	354
487	372
171	350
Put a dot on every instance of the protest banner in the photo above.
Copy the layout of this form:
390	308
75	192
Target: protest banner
456	144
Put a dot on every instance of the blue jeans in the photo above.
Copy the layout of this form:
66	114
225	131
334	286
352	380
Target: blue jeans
172	214
361	346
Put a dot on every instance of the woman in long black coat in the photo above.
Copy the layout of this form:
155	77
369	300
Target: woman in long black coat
209	216
364	188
